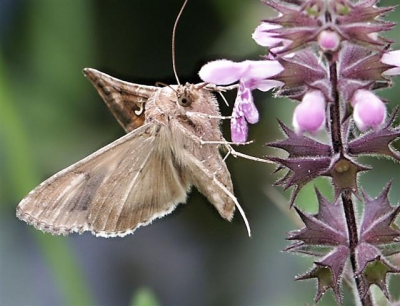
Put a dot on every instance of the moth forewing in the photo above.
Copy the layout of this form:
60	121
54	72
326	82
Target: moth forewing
125	100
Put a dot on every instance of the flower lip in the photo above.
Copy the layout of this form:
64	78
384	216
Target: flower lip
239	129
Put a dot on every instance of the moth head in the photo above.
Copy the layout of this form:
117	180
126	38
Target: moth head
186	95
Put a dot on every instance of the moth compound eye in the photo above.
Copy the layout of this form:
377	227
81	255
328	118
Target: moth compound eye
184	101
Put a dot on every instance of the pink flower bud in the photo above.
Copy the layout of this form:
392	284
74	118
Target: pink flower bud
369	110
329	40
392	58
309	115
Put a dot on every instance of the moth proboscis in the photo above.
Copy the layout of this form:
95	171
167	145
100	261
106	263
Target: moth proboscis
173	142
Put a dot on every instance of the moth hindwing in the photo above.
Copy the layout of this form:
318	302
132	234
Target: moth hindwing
172	144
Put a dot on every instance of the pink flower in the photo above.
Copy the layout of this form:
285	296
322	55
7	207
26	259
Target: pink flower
392	58
309	115
369	110
264	36
251	75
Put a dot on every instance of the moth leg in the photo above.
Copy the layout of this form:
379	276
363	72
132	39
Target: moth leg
223	142
226	156
234	153
197	114
223	98
216	88
221	89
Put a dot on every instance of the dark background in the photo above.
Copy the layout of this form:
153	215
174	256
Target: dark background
51	117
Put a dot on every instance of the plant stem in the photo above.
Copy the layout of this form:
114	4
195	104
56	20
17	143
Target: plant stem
334	110
348	206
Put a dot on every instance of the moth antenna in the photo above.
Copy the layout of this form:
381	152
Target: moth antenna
167	85
201	86
160	84
173	41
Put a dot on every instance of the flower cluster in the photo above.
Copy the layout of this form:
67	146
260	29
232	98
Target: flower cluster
293	65
328	56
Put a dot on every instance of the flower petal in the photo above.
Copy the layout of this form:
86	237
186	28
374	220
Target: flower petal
392	58
392	71
222	72
265	38
258	70
369	110
310	115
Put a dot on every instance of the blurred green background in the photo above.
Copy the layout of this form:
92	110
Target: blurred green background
51	117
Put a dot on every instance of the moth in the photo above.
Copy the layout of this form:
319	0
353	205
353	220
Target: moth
173	142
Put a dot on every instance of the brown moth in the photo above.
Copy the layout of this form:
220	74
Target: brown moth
173	142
